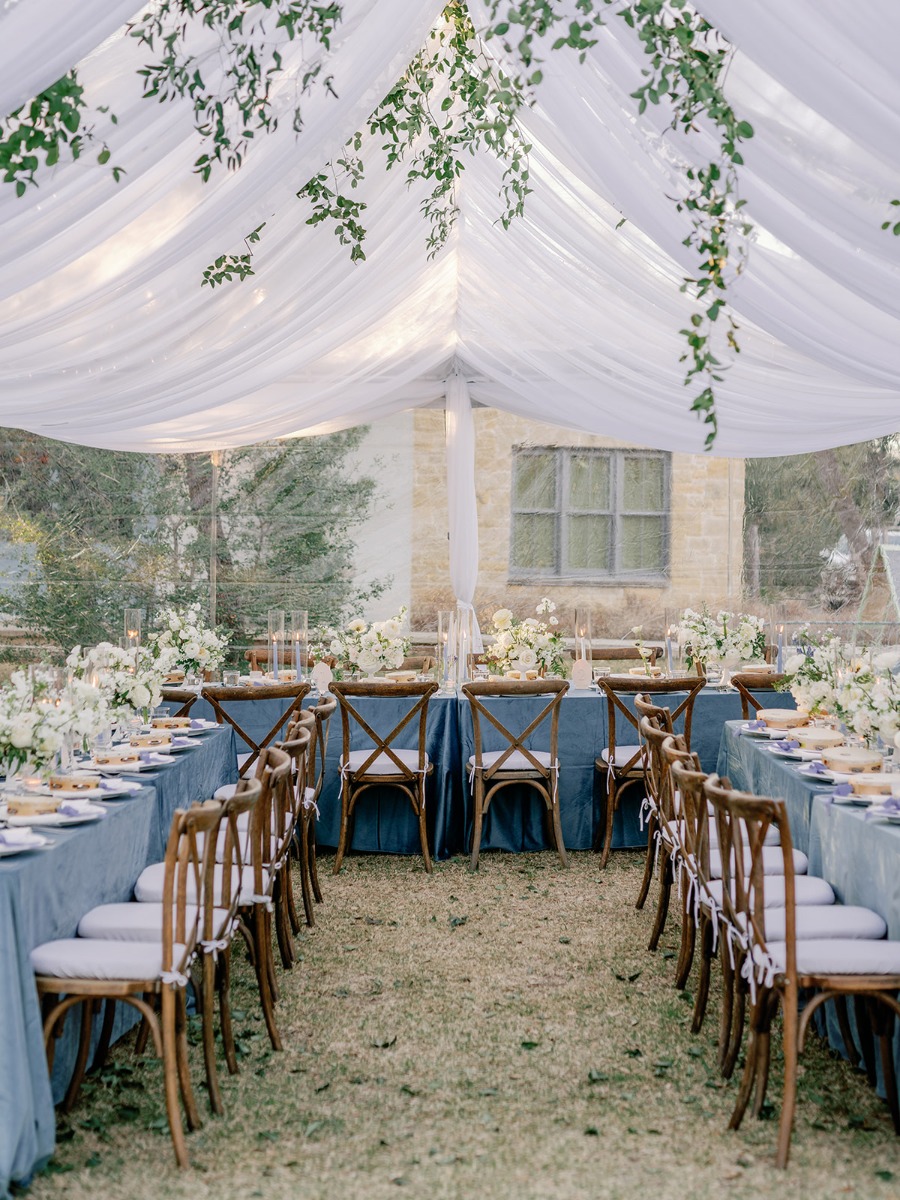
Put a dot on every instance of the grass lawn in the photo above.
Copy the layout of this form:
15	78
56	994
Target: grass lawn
505	1034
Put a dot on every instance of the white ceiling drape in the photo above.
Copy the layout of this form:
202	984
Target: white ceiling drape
107	338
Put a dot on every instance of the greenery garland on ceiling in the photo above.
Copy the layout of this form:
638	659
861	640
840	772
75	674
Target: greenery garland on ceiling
452	101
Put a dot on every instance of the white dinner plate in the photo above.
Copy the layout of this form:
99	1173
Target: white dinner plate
35	842
161	760
53	820
795	755
854	801
825	776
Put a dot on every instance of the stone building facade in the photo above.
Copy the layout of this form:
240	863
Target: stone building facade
692	541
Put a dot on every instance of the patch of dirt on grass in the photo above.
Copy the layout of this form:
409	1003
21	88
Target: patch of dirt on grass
504	1034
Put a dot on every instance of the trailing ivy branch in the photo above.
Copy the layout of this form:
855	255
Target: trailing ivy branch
229	266
229	112
687	62
450	102
36	134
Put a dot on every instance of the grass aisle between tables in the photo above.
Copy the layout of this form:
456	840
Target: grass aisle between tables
504	1034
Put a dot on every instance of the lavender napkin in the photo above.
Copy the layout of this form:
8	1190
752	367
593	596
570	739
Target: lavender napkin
842	789
814	768
786	745
750	727
81	808
890	805
17	837
181	741
197	723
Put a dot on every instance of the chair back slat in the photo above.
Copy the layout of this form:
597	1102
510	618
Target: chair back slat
748	682
323	712
274	777
382	744
192	840
475	693
291	694
231	854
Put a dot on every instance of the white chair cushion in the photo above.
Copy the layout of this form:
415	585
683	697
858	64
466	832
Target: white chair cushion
841	956
773	838
808	889
242	758
149	887
85	958
134	922
829	921
383	764
624	755
225	792
772	863
517	761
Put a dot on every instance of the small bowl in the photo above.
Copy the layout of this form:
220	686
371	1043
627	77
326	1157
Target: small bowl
171	723
852	760
115	758
782	718
73	783
146	741
870	783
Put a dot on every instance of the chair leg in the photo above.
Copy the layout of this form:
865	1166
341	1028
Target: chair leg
686	949
109	1017
864	1029
143	1034
738	1017
749	1076
478	797
702	997
269	958
84	1047
345	823
662	904
557	832
183	1062
298	852
648	861
285	946
789	1102
170	1076
207	1008
611	798
727	1013
313	862
840	1005
223	987
883	1022
423	826
306	883
262	974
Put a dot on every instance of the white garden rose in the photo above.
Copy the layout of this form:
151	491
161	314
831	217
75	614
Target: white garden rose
527	659
21	730
502	618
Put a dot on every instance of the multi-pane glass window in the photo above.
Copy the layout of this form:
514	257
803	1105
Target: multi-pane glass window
589	514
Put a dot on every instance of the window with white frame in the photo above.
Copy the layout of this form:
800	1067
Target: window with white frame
585	514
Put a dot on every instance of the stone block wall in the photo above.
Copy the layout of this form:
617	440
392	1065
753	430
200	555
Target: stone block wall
706	544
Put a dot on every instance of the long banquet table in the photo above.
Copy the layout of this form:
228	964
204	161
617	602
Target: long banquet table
43	895
860	858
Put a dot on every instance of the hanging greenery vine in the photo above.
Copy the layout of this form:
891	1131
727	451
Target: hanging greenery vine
452	101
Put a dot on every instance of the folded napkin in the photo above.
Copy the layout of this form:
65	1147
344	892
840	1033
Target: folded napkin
120	785
842	790
16	837
889	806
81	808
151	756
786	745
813	768
197	723
182	741
756	725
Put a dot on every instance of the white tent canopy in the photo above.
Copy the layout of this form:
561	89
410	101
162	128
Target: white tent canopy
107	338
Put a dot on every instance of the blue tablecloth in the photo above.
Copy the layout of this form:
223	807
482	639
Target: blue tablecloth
43	895
385	822
859	858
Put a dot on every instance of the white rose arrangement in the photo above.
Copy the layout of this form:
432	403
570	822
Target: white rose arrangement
129	680
36	719
530	645
381	646
727	635
188	641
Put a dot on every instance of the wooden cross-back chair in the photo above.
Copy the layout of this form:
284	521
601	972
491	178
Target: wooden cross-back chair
492	770
383	764
185	698
292	696
779	971
300	735
644	707
317	719
625	654
623	764
748	682
83	970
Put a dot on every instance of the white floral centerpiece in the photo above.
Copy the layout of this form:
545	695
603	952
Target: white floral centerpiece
36	720
530	645
130	680
370	648
726	637
197	648
811	673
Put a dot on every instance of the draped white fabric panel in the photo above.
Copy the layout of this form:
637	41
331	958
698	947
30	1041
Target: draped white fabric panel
106	336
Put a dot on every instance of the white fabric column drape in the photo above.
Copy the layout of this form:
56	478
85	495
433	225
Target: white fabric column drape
462	506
